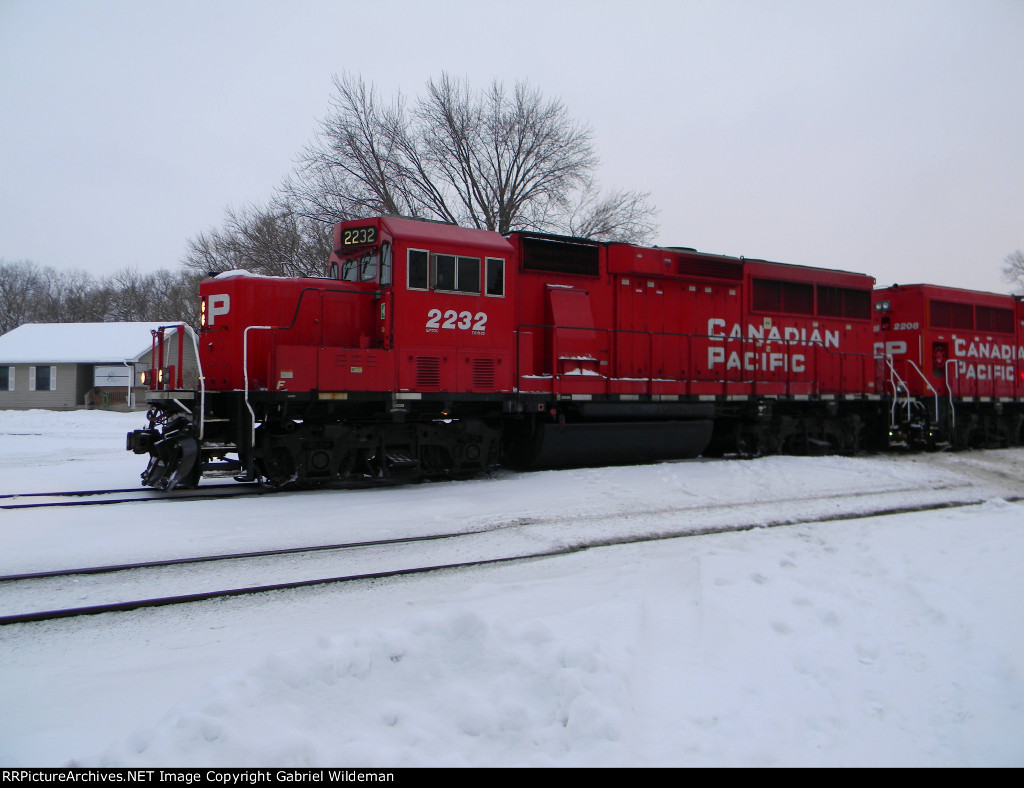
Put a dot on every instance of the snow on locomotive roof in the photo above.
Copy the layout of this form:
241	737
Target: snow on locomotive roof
244	272
76	343
241	273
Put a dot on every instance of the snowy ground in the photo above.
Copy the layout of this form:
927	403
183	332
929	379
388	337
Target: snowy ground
885	641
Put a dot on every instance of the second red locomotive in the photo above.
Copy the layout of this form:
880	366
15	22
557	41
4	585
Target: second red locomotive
955	364
434	350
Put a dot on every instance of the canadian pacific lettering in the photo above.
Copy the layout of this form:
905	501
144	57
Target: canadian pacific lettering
781	350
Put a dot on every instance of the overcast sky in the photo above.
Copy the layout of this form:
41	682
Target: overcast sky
882	137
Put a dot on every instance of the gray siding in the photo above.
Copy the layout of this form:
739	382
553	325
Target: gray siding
74	381
71	385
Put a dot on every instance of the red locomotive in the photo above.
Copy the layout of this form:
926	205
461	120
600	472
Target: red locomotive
955	364
434	350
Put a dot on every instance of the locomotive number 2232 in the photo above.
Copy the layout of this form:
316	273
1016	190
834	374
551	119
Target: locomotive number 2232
453	319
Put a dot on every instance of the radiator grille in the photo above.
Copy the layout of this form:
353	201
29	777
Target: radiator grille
560	256
482	373
428	373
711	269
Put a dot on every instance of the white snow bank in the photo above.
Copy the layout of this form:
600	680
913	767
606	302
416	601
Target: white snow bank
889	641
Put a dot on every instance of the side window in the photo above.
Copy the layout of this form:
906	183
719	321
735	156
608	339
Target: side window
385	265
416	270
467	279
444	272
6	378
457	274
495	276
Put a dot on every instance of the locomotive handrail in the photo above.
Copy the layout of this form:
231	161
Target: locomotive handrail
303	291
302	294
896	392
202	387
295	317
158	334
949	388
817	346
245	377
917	369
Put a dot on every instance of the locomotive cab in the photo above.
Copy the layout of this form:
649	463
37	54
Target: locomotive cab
302	381
363	257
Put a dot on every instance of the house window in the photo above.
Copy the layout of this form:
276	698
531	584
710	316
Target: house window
42	378
6	378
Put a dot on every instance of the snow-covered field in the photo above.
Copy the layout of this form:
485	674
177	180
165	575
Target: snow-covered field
883	641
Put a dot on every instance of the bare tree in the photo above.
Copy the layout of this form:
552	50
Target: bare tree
133	296
357	167
1013	269
71	297
45	295
272	240
21	283
497	159
177	296
616	216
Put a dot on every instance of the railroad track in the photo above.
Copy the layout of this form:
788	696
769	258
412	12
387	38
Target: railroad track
65	498
44	500
377	559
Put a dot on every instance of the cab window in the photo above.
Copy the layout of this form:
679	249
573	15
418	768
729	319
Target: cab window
385	265
417	274
360	269
457	274
495	276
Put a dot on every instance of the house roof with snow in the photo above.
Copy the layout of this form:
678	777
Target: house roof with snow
76	343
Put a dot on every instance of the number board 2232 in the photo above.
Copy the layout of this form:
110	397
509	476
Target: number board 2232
358	236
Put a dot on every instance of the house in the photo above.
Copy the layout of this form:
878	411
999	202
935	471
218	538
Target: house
75	365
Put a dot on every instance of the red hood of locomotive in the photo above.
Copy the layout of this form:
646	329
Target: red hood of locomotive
278	312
